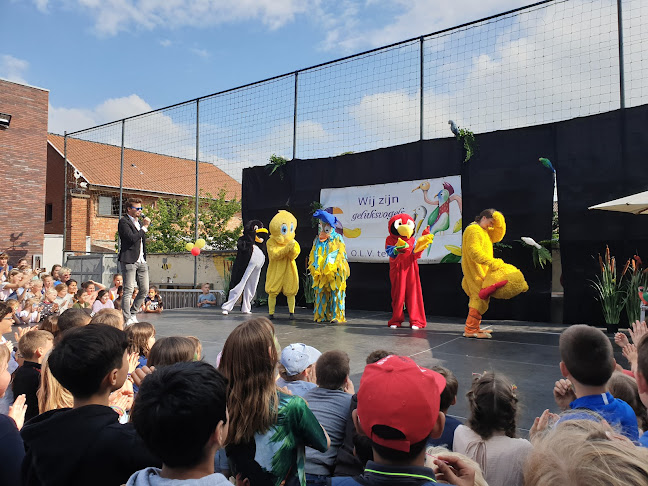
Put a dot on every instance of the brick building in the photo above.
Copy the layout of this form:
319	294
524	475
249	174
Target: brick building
94	180
23	166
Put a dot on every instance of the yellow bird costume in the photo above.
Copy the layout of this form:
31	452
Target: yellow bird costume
282	276
484	275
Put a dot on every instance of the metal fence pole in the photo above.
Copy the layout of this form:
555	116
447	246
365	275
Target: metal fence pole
195	277
294	156
421	88
121	180
65	191
621	57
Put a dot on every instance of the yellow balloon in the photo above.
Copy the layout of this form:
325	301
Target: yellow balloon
200	243
189	246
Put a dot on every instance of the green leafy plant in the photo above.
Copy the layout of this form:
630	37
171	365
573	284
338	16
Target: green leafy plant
636	279
469	143
173	223
610	290
277	164
307	284
228	263
315	205
500	246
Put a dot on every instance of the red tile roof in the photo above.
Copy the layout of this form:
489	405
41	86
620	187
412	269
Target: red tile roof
143	171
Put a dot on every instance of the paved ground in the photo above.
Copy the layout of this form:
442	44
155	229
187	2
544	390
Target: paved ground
526	352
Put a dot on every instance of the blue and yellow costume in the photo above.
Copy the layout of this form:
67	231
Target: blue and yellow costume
282	276
327	264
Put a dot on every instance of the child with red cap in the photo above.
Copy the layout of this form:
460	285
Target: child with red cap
398	409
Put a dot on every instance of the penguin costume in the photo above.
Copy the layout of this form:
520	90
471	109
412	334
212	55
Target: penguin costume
250	257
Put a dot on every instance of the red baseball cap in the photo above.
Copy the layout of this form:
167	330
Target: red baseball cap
398	393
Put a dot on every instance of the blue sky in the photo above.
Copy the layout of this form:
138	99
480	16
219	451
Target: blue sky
106	59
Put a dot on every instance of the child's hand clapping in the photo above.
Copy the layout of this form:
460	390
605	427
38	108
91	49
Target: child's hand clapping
564	393
621	339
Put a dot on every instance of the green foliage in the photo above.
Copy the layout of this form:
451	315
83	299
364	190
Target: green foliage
307	284
173	223
277	164
315	205
500	246
228	263
636	278
469	143
555	227
610	290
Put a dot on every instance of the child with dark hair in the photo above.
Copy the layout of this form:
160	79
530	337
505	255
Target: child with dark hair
153	302
448	398
103	301
398	409
489	436
355	450
91	362
170	350
181	413
33	347
74	317
587	365
50	323
329	402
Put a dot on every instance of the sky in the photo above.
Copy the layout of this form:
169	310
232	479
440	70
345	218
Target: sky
103	60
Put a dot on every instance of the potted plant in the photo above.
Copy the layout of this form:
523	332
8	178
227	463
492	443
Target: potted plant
611	291
636	279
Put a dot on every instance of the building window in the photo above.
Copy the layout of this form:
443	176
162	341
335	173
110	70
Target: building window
108	206
48	213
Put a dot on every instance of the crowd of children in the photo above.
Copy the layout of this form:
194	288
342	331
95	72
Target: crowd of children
97	403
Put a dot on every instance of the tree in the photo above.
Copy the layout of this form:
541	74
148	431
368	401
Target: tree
173	223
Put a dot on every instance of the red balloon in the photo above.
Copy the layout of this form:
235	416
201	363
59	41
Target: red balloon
195	251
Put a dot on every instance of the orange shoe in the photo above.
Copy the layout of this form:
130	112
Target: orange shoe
472	329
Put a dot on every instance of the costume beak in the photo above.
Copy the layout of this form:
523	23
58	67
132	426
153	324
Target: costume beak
260	230
323	236
405	230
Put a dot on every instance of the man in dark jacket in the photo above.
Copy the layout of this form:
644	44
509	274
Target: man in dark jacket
85	444
132	256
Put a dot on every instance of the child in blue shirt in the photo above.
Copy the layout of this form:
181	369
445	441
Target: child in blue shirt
206	299
587	365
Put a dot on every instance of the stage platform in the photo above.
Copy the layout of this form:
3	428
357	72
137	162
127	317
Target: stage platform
526	352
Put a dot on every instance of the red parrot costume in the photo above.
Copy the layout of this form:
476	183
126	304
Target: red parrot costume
404	253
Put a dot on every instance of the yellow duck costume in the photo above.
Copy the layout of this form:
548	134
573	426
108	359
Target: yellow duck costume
282	276
484	275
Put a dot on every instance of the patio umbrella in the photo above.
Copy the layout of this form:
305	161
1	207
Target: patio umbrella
635	204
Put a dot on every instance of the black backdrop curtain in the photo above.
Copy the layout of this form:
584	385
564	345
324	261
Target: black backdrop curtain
597	158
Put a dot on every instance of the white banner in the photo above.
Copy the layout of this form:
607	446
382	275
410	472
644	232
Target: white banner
364	212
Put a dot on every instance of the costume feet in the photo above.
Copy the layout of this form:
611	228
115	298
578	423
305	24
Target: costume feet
271	316
394	326
416	328
224	312
485	293
478	335
291	316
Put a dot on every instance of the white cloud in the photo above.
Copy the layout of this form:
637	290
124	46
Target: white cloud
72	119
41	5
200	52
165	42
352	32
12	68
521	75
113	16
